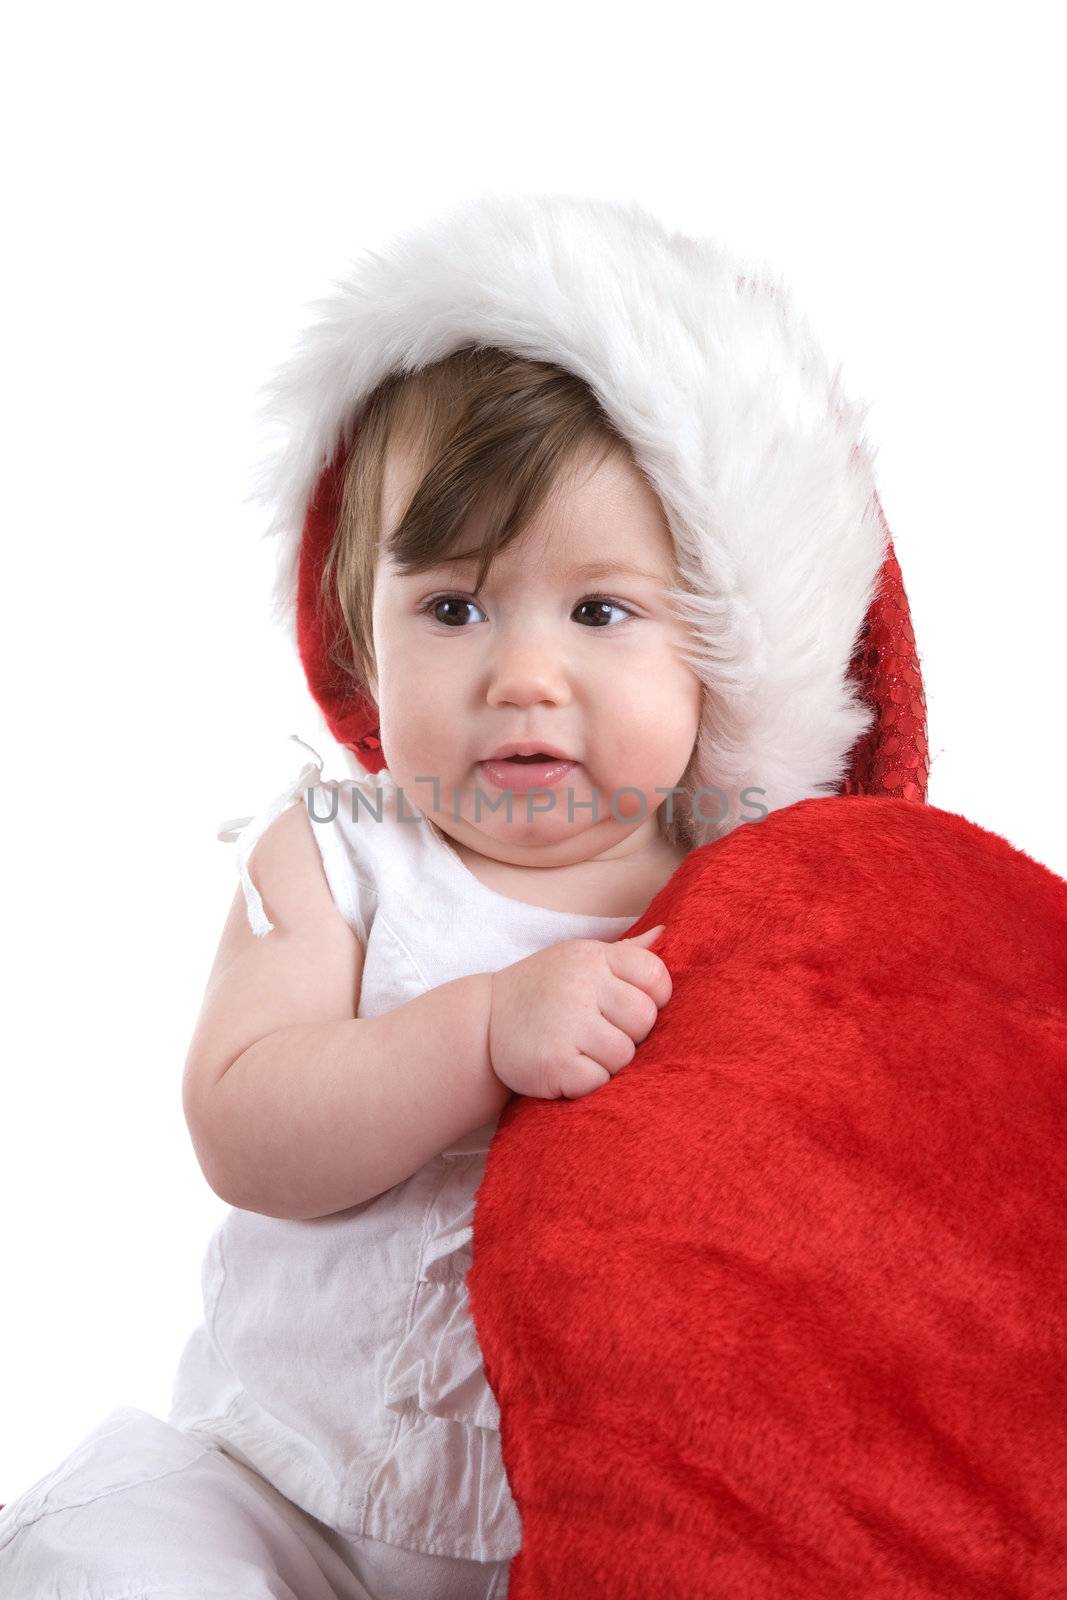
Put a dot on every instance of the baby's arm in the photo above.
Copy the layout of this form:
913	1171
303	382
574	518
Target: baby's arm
296	1107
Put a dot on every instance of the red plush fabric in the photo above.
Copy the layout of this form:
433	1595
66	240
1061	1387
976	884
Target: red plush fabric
781	1310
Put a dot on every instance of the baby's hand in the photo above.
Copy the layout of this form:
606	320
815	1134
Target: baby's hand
566	1019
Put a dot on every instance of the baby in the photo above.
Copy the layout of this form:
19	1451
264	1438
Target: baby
485	575
304	1108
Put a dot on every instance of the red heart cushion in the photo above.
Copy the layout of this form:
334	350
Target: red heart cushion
781	1310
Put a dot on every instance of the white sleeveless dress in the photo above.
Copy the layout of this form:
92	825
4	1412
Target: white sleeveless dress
337	1356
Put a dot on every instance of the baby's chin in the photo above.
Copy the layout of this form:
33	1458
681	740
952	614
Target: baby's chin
545	841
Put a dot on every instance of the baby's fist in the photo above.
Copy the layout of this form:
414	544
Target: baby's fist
566	1019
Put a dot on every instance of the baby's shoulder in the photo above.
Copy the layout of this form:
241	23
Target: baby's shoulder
288	867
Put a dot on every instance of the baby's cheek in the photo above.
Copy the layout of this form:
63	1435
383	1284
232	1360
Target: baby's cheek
628	804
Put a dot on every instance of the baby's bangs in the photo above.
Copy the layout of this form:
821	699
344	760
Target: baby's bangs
492	435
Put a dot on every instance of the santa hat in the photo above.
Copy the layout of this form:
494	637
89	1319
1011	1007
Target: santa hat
799	622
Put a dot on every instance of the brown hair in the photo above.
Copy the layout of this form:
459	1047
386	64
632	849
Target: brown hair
489	431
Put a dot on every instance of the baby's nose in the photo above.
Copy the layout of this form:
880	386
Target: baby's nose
527	671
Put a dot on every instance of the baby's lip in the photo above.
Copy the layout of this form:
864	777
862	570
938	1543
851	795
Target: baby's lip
528	747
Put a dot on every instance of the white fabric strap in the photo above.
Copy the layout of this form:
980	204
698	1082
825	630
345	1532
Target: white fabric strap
245	831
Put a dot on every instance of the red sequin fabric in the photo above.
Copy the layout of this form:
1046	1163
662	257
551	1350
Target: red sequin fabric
893	757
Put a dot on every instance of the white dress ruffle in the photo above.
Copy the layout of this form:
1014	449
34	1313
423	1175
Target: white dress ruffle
437	1367
448	1444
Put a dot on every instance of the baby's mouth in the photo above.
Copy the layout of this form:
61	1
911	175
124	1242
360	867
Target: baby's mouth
526	772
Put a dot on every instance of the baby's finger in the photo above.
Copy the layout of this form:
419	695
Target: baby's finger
581	1077
612	1047
629	1008
630	960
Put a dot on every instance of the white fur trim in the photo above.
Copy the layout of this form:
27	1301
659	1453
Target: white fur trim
730	408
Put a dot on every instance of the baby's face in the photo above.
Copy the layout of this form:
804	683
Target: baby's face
538	657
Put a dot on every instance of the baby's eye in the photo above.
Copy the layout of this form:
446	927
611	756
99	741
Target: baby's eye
602	603
457	600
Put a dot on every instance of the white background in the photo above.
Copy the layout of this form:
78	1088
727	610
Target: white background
181	182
